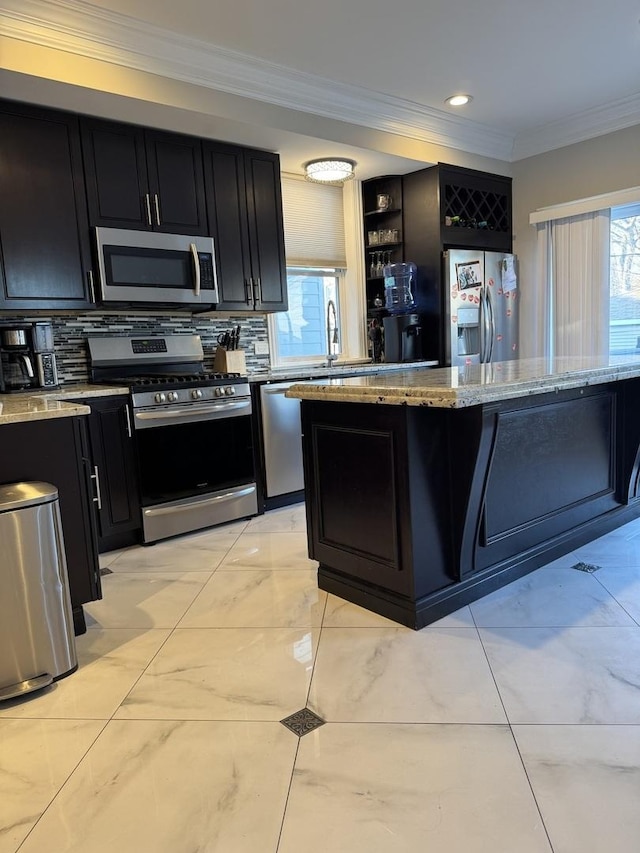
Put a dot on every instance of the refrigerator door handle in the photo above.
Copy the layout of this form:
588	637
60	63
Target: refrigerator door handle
484	326
491	326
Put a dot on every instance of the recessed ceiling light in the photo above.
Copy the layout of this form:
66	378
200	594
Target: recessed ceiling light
458	100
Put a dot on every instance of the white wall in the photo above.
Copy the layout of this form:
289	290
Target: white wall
605	164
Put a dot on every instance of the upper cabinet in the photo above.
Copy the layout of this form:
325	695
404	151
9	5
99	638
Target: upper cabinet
244	204
143	179
462	208
44	236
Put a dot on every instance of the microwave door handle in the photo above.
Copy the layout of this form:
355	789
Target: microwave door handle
196	268
148	206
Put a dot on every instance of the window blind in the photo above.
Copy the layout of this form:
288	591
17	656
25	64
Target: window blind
313	224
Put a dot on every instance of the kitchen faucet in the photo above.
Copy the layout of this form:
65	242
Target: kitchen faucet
331	338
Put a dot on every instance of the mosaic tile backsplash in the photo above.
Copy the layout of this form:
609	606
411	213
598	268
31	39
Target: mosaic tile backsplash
71	331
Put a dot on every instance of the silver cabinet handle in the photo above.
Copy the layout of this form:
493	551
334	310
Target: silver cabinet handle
148	203
196	267
96	476
248	288
156	203
257	288
92	290
126	410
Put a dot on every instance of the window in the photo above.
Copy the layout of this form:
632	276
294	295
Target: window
319	236
624	281
302	332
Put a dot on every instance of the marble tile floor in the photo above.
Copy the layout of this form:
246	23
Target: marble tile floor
512	726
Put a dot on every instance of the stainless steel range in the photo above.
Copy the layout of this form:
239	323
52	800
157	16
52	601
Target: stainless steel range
192	431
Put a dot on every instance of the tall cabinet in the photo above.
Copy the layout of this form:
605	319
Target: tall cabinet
447	207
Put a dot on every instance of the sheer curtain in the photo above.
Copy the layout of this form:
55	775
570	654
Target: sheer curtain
573	285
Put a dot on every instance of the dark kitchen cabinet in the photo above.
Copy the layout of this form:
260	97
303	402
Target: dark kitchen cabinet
57	452
143	179
448	207
461	208
244	203
45	256
114	472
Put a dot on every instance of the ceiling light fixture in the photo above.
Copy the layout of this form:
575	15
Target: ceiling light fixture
329	171
458	100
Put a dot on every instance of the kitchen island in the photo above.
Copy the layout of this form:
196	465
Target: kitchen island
427	489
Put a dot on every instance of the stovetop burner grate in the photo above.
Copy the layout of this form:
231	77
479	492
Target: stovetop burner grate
191	380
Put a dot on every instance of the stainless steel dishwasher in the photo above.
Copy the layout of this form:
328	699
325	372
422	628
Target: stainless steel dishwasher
282	440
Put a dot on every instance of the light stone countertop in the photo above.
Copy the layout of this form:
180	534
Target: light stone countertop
471	385
283	374
47	405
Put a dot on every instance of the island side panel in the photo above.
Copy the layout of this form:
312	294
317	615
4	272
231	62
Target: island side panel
553	468
376	484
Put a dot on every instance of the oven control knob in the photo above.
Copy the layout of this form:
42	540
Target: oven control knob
160	397
219	392
230	391
172	396
196	394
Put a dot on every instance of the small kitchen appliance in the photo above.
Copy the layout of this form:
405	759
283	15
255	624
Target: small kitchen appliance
402	337
153	267
27	359
192	431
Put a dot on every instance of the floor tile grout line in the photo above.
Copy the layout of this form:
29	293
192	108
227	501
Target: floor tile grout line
70	774
619	603
535	799
286	799
529	782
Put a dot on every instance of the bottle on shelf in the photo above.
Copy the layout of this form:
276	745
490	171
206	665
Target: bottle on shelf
399	284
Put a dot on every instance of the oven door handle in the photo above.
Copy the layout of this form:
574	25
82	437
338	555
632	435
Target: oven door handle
196	268
188	507
217	409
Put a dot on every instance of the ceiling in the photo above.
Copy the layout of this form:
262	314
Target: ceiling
542	74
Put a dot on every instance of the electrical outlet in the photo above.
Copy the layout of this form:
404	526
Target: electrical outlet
261	348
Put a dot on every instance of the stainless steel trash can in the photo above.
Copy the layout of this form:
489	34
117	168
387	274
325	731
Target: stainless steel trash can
37	642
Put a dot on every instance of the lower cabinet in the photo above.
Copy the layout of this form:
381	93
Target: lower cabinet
57	452
114	472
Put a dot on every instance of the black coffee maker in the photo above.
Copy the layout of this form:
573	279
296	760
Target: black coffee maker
402	337
27	360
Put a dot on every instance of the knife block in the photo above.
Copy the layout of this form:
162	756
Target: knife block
229	361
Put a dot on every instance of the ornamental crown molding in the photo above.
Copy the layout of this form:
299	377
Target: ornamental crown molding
83	29
80	28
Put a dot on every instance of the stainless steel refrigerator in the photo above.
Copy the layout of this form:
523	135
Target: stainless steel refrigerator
481	301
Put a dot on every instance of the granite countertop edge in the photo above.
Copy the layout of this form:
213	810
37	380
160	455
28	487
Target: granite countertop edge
52	404
381	391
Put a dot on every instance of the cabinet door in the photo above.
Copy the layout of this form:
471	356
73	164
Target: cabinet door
227	209
44	236
55	451
113	455
116	175
266	231
176	183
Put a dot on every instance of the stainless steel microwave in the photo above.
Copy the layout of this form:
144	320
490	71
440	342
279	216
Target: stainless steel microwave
150	267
